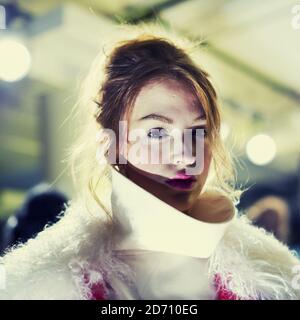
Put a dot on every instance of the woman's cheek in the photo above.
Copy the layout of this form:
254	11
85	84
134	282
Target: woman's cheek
207	159
140	157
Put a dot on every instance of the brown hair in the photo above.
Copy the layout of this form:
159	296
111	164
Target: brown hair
145	52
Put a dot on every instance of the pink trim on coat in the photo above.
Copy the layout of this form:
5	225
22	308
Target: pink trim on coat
99	290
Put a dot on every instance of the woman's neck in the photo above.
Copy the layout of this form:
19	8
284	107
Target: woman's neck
211	207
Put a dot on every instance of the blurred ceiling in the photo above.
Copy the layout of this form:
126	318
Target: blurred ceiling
249	48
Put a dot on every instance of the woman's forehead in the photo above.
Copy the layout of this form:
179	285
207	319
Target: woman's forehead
168	97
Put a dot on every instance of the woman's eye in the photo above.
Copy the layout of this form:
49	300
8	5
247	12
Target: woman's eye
194	132
157	133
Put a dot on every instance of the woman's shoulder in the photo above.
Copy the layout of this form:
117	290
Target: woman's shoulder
266	262
256	241
43	266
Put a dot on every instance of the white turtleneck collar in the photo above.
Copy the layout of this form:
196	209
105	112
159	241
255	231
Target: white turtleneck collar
151	224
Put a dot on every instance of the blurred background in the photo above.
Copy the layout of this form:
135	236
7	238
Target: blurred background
250	49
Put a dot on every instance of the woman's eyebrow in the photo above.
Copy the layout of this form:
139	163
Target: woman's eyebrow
160	117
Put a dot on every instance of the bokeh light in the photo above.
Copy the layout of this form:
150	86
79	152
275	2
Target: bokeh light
15	60
261	149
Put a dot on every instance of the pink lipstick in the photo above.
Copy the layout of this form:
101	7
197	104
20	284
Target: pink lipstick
182	182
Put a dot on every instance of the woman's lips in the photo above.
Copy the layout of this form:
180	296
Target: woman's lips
182	184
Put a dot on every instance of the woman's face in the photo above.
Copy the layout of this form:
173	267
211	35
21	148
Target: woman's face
163	152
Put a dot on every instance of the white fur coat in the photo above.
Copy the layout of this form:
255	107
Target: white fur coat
51	265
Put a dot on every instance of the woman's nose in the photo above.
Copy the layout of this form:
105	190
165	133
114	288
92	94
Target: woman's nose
184	161
183	155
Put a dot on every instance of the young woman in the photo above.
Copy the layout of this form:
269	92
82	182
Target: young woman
144	229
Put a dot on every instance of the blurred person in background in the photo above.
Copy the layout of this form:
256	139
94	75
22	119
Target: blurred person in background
272	214
41	207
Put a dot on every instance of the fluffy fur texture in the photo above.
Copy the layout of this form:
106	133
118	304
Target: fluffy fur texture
65	260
